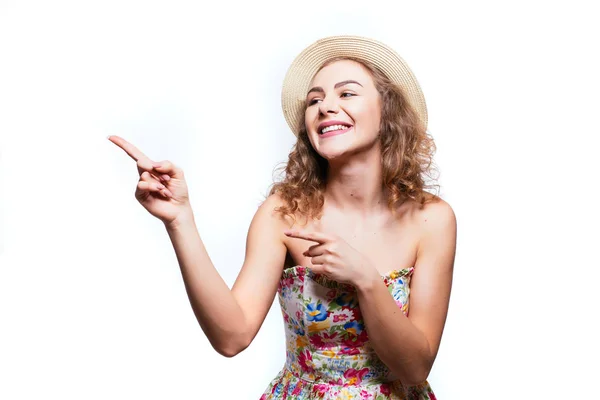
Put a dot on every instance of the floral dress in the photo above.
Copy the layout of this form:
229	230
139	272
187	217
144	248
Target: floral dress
328	355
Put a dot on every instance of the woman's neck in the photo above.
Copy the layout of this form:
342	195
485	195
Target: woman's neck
355	187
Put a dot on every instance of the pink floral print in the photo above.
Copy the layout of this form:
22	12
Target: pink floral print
328	355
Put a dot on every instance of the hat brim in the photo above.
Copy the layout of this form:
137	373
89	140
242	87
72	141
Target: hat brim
306	64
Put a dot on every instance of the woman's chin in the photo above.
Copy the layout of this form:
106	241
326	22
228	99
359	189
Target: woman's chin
334	154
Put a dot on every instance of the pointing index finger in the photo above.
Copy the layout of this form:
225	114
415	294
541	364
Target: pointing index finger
130	149
313	236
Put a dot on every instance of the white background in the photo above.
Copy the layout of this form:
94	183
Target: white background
92	304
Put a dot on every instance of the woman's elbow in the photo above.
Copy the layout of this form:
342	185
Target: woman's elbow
232	347
229	351
417	376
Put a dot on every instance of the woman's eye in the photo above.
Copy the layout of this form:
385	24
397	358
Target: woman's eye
314	101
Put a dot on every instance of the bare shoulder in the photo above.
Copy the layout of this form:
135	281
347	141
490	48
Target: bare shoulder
436	214
436	223
268	208
434	218
268	221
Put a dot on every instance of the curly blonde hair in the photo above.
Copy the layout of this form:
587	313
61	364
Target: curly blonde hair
406	155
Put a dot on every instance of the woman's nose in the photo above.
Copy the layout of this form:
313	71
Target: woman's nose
329	105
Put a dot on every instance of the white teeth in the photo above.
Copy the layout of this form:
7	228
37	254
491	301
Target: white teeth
333	128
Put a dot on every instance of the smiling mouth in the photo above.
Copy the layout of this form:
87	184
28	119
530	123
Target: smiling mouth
333	130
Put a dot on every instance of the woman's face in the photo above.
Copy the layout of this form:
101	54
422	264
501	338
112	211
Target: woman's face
343	100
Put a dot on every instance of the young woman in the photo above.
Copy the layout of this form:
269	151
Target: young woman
345	240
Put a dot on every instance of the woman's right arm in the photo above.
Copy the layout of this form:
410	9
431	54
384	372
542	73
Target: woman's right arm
231	318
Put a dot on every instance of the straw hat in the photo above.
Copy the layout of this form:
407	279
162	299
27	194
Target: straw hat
306	64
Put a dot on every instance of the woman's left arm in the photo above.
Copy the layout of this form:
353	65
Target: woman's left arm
409	345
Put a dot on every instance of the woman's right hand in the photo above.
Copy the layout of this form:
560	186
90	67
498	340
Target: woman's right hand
161	189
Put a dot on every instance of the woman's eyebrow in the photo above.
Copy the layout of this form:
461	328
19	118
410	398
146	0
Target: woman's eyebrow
337	85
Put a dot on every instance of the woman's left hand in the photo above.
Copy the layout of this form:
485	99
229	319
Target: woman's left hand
333	257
